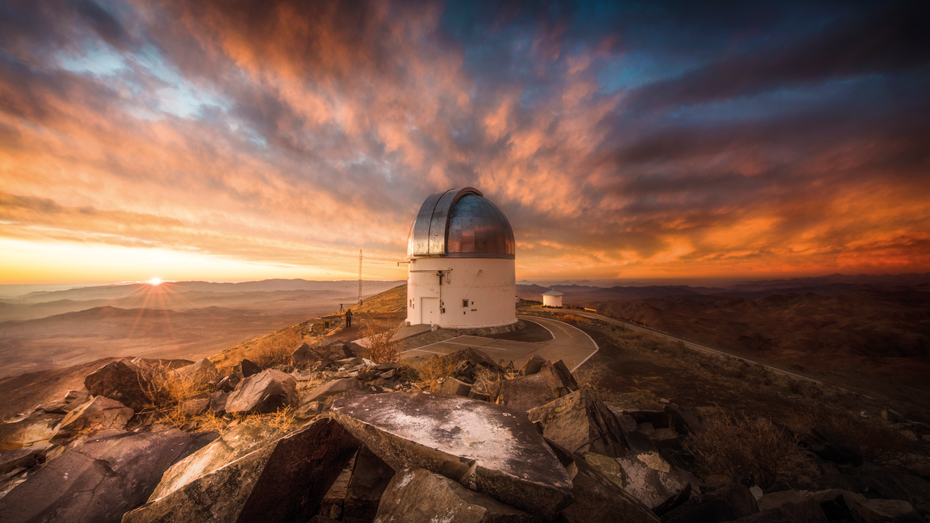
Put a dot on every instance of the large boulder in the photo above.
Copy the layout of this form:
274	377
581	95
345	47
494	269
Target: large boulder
97	414
488	448
265	392
283	480
129	380
37	427
99	480
581	423
527	392
420	496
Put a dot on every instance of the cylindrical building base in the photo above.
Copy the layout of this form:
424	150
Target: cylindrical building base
475	292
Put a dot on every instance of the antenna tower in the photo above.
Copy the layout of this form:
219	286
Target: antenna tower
360	276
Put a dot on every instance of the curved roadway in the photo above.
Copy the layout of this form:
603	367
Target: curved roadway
569	344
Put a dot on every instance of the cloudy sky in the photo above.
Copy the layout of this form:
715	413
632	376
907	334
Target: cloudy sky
233	140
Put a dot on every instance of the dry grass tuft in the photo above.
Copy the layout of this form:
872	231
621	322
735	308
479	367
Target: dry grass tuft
433	370
283	419
266	351
167	393
754	445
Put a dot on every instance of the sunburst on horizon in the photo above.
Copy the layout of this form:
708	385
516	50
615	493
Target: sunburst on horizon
154	281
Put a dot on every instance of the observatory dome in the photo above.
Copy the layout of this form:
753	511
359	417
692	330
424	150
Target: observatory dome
460	263
460	223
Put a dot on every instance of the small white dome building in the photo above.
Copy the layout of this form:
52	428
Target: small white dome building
461	263
552	298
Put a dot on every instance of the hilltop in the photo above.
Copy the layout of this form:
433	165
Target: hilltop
661	430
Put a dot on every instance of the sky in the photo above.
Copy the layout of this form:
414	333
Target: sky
236	140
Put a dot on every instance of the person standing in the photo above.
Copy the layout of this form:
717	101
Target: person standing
348	318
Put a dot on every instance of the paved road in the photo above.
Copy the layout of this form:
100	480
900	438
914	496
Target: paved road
569	344
690	345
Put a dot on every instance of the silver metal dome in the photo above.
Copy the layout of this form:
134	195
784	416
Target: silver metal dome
460	223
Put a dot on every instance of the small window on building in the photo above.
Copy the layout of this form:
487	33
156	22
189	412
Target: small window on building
465	303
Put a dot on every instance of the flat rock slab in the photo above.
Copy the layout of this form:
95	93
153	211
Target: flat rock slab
488	448
284	480
419	496
98	481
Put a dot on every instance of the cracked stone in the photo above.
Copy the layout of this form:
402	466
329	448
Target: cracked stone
488	448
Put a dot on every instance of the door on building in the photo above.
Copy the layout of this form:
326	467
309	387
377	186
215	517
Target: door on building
429	311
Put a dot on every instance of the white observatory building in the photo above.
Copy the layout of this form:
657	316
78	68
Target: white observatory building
552	298
460	256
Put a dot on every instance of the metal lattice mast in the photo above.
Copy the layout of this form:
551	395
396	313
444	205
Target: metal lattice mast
360	276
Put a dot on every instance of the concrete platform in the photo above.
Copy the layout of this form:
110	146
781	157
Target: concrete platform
568	344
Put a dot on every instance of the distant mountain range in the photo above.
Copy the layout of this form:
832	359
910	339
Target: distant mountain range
266	295
120	291
174	319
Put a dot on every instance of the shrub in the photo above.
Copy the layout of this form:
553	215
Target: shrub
755	445
382	348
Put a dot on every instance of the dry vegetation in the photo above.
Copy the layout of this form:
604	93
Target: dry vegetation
266	351
733	443
780	406
433	371
382	348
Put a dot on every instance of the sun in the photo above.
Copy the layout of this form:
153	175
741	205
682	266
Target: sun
154	281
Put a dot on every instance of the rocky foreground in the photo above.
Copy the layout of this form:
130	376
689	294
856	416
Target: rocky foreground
360	442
